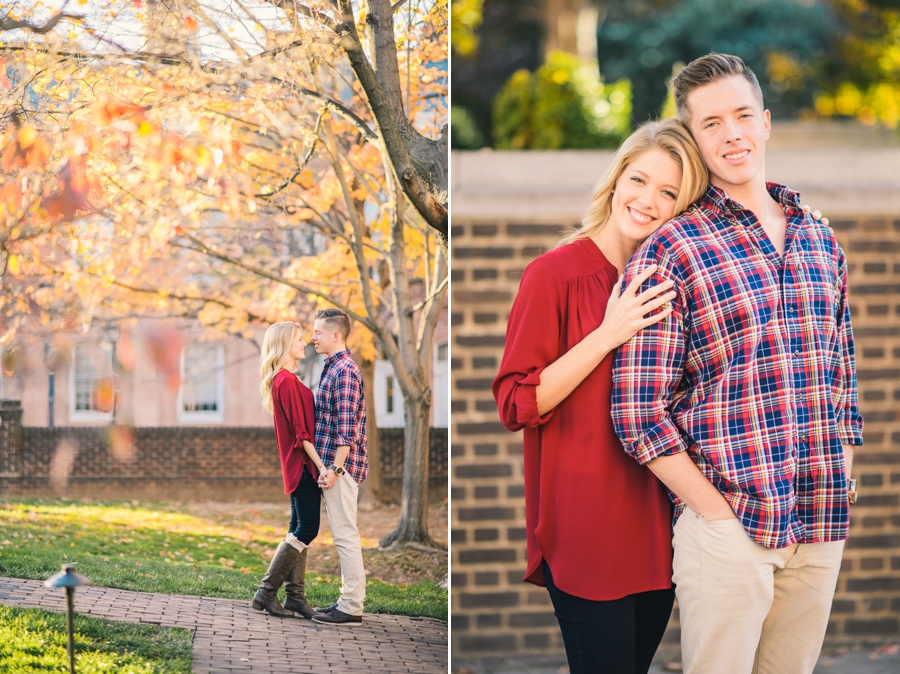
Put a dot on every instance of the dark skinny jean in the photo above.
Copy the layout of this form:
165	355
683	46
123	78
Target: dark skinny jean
306	501
611	637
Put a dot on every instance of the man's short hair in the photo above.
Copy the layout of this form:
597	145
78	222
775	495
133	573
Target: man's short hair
335	319
706	70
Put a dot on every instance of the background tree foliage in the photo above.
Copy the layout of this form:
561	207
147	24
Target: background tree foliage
232	164
814	58
507	39
564	104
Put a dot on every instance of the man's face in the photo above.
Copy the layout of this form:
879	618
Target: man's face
731	129
323	338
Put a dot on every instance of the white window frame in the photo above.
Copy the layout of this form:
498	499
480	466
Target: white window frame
88	415
203	416
397	418
440	376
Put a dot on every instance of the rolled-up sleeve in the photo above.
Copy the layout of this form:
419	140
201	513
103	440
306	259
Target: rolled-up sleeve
849	420
532	343
648	369
296	410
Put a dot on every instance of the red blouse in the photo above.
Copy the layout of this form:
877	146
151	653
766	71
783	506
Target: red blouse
294	406
602	522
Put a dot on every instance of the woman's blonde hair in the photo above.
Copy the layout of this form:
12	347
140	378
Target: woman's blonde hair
668	135
275	348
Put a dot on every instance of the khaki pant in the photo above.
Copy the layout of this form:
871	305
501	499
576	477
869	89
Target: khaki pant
340	502
748	609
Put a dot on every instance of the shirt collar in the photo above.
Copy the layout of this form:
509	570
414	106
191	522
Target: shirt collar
340	355
718	201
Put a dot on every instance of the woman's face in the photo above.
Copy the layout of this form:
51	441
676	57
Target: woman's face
645	195
298	346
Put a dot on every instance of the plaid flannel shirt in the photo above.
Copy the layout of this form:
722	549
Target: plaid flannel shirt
753	373
341	414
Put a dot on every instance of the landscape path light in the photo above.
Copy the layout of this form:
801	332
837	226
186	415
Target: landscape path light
68	579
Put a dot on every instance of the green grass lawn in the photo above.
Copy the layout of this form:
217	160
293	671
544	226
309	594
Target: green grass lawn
34	640
156	548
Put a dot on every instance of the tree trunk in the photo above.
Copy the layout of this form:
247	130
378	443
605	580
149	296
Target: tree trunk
413	524
374	483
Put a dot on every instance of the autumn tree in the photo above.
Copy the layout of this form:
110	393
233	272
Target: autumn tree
238	165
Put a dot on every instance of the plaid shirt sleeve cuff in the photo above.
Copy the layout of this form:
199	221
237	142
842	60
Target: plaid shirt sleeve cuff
663	439
850	430
526	400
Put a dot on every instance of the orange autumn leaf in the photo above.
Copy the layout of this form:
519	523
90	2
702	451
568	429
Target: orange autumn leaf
104	395
121	443
72	196
27	149
164	343
110	108
10	195
26	136
4	80
38	154
190	24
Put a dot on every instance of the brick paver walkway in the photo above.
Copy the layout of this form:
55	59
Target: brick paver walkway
229	636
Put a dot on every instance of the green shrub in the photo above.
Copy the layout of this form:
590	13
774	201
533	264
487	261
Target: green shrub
464	132
564	105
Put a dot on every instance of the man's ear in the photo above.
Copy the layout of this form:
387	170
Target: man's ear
767	123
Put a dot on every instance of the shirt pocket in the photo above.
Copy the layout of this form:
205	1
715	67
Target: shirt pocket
817	286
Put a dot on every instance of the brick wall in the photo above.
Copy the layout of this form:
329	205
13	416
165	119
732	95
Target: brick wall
494	614
180	463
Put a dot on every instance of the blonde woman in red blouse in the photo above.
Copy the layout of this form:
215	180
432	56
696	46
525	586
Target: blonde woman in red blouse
598	526
292	406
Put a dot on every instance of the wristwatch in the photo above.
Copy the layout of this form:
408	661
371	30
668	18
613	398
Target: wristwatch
339	470
851	491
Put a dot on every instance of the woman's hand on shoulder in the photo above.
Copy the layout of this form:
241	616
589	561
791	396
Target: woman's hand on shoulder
817	215
626	314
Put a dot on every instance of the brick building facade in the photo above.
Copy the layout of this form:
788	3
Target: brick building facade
175	463
509	208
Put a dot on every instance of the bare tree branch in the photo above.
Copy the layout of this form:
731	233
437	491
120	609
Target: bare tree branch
299	170
184	298
389	118
201	247
13	24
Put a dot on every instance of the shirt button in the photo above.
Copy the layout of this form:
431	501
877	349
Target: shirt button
796	352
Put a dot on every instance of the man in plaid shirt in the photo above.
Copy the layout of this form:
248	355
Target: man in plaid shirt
341	443
743	401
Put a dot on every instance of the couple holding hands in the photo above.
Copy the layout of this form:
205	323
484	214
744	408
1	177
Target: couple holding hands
322	446
698	320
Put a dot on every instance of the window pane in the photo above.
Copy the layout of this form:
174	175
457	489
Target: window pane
200	389
92	377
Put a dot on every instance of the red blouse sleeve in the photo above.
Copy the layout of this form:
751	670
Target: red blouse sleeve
297	411
532	343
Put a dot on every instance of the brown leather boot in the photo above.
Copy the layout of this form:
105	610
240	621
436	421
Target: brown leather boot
295	597
266	597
